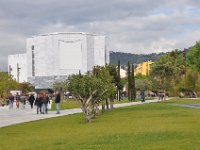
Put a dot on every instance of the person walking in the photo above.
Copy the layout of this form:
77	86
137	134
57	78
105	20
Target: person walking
23	101
11	101
45	101
17	98
31	100
57	101
38	103
142	94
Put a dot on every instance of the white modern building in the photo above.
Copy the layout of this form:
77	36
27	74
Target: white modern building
17	67
52	57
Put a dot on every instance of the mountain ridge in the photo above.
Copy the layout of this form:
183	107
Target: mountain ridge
133	58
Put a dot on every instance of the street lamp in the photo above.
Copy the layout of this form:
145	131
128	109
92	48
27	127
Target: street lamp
18	72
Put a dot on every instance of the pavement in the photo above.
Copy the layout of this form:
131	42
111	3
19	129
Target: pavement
197	106
16	116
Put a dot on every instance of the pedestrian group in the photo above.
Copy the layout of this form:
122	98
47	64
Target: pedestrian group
41	101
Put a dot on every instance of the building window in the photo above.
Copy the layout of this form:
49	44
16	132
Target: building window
32	47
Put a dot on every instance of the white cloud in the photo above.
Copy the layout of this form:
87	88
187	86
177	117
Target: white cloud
134	26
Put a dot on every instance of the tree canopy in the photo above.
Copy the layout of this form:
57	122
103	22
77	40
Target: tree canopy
193	57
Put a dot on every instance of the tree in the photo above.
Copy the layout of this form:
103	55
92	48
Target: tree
118	82
167	71
109	89
90	89
193	58
143	83
114	71
131	82
6	84
84	88
61	87
25	87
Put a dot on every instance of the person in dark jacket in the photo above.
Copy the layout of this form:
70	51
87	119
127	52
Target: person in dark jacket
57	101
142	94
11	101
45	102
31	100
38	103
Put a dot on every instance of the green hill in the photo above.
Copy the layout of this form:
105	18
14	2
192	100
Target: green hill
133	58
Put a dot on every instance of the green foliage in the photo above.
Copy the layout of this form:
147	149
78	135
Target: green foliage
131	82
143	84
168	71
90	89
6	84
114	71
193	57
85	86
25	87
60	86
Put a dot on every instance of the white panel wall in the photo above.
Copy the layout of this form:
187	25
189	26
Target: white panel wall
70	55
62	54
99	51
90	52
19	59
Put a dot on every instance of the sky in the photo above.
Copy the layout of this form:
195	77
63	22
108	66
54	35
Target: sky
132	26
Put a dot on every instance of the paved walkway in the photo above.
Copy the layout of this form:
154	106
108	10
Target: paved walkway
197	106
15	116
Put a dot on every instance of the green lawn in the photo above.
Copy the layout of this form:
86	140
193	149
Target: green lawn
155	126
67	104
71	103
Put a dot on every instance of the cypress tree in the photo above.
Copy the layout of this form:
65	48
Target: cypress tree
133	82
119	82
129	81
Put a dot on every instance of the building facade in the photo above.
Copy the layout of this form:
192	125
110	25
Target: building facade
52	57
143	68
17	67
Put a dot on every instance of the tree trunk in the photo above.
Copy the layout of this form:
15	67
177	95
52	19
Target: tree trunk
107	104
111	103
164	95
96	109
103	106
87	109
129	81
88	114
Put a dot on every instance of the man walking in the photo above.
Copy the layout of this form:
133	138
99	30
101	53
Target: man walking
18	98
57	101
31	100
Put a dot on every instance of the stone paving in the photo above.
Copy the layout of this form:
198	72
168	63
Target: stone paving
15	116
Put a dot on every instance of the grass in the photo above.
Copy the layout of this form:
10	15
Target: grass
67	104
72	103
154	126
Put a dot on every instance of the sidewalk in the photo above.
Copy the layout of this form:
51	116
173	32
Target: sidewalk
15	116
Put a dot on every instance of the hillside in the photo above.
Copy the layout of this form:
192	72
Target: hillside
133	58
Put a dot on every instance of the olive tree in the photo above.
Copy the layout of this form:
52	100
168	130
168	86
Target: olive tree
90	89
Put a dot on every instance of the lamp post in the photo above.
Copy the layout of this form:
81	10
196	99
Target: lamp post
18	72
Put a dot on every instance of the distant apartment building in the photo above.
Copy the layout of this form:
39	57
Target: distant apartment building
54	56
143	68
